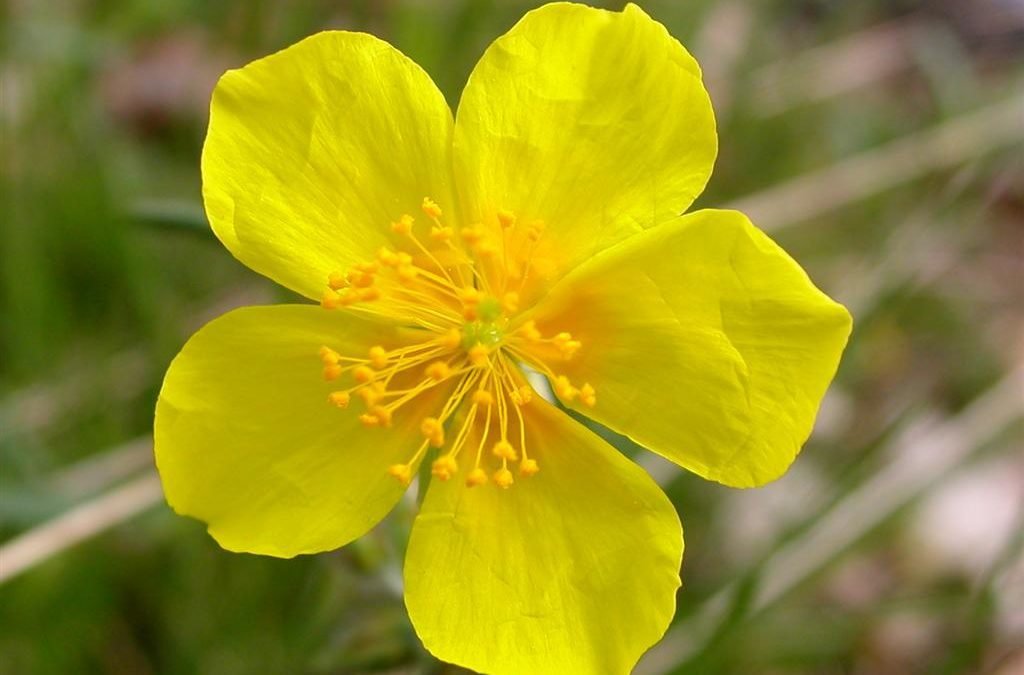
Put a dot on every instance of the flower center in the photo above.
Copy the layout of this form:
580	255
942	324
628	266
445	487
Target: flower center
458	294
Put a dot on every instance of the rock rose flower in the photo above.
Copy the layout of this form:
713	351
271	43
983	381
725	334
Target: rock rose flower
541	229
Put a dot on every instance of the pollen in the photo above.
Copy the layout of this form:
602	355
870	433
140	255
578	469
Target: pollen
455	294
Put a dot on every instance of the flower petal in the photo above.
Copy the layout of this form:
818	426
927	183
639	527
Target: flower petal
705	342
573	570
246	441
594	122
314	150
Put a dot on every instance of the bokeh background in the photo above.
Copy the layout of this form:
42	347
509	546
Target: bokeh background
880	142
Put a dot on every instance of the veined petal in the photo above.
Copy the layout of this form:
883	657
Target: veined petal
573	570
594	122
706	343
246	440
314	150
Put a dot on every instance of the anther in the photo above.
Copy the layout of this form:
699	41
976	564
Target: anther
510	302
328	356
339	398
482	397
444	467
441	233
387	257
476	477
503	478
336	280
360	279
402	472
478	355
407	273
382	414
371	393
566	345
564	388
369	420
438	370
433	430
484	248
451	339
504	450
330	299
469	295
363	374
522	395
403	225
471	235
528	467
431	208
507	219
369	294
332	371
535	231
378	357
529	331
588	395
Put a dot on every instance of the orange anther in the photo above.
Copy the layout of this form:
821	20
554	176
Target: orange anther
444	467
431	208
438	370
402	472
476	477
503	478
504	450
339	398
528	467
336	280
378	357
478	355
403	225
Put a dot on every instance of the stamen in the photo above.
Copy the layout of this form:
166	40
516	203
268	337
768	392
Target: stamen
450	283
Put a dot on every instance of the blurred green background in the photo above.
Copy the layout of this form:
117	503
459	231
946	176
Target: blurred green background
879	142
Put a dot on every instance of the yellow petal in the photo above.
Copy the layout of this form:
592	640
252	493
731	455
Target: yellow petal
705	342
594	122
247	441
313	151
571	570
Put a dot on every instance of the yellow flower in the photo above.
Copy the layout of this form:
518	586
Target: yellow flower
541	227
